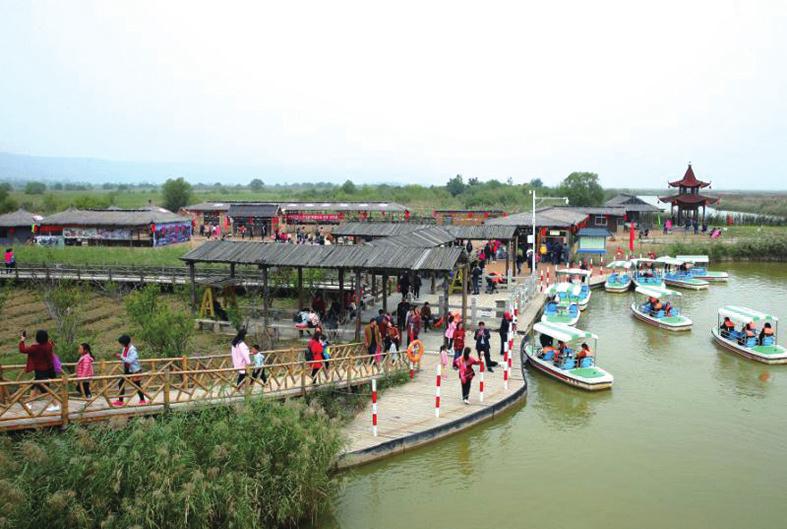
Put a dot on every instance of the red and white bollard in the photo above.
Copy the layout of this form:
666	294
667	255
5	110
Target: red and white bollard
602	266
541	281
437	391
481	369
505	365
412	370
374	407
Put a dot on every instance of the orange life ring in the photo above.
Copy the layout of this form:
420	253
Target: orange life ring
412	355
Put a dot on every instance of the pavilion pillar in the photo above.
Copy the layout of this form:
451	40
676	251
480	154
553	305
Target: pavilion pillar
432	290
192	279
374	287
508	258
232	269
465	272
266	296
385	293
444	308
300	288
357	305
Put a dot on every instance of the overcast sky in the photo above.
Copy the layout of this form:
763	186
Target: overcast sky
406	91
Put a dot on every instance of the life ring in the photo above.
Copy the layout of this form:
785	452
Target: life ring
412	355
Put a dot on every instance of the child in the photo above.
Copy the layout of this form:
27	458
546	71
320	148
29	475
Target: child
259	363
85	369
443	356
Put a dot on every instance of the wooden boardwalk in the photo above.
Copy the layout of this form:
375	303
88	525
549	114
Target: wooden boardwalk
175	383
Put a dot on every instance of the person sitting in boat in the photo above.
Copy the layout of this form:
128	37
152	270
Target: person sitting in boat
747	333
584	351
648	306
766	335
727	327
667	308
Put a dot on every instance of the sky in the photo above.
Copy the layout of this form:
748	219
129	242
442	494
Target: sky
403	91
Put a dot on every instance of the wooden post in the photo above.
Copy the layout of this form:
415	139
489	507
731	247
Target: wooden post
374	287
432	290
358	305
444	308
300	287
2	388
166	390
192	278
508	257
464	294
64	400
247	382
341	289
266	295
232	269
385	293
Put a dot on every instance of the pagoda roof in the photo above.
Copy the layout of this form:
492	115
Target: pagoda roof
689	199
689	180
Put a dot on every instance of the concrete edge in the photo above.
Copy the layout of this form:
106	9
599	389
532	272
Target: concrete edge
414	440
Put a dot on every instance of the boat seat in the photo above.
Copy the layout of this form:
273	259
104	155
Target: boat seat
751	342
659	314
568	363
573	309
551	308
586	362
768	340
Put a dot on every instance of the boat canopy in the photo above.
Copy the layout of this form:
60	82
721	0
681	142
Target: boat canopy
563	332
745	315
657	293
572	271
696	259
672	261
619	264
638	260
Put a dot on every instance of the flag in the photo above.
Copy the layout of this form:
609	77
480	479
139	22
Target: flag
631	236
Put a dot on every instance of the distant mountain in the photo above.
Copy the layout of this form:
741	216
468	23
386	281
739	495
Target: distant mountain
20	167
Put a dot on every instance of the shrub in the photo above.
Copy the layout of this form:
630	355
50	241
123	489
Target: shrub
165	330
262	464
64	304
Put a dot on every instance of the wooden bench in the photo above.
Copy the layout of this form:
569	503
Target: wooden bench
214	325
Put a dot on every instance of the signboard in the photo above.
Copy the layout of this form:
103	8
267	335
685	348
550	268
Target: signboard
530	239
106	234
171	233
295	218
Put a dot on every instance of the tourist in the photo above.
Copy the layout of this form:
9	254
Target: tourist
416	286
482	259
372	340
469	248
459	338
449	331
401	313
695	225
314	355
10	260
404	286
393	340
382	323
40	360
426	316
483	345
727	327
476	274
464	363
444	356
505	326
85	370
130	358
259	364
529	257
240	356
413	325
584	352
766	334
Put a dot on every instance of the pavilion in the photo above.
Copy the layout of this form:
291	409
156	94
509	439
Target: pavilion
689	199
355	259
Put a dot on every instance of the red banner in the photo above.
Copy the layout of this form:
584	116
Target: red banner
631	236
312	217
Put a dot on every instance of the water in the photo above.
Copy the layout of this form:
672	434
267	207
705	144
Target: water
689	436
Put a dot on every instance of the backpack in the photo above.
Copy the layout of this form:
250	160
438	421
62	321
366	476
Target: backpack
57	365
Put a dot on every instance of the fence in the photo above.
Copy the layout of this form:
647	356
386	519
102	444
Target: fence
171	383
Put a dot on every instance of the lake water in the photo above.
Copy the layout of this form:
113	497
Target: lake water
690	436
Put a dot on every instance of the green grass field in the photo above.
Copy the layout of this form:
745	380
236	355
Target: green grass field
96	255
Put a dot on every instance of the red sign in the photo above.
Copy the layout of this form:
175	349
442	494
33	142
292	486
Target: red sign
311	217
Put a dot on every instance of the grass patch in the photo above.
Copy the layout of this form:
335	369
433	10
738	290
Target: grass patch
260	464
101	255
770	248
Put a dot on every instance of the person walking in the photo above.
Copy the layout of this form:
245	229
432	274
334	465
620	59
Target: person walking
505	326
372	340
10	260
459	338
416	286
465	364
450	327
413	325
476	274
40	360
85	370
483	345
259	364
240	356
427	320
401	313
314	350
130	358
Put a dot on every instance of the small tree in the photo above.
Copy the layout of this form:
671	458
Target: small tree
176	194
256	184
35	188
456	185
536	183
348	187
582	189
165	330
63	303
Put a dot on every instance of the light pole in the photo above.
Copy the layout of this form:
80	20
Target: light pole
533	256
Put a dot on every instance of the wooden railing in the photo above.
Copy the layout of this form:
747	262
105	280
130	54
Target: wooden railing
177	383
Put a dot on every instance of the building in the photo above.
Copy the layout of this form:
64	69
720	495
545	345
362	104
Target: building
553	225
592	241
689	199
207	214
257	218
608	218
17	227
465	217
115	227
635	208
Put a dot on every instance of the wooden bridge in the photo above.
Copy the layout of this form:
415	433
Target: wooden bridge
176	383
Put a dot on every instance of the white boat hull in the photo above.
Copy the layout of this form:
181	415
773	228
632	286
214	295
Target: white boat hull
698	284
653	285
685	325
747	352
548	368
617	288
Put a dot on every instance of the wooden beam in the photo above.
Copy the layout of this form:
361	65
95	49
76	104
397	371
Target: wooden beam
444	308
464	293
357	305
192	278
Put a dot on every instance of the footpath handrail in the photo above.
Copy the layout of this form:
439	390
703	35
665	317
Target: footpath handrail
37	403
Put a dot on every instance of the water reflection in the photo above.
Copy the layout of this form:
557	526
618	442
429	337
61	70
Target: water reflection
740	376
562	406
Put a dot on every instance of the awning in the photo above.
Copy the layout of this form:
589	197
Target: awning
563	332
657	293
745	315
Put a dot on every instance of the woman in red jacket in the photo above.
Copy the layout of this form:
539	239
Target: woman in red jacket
315	351
459	338
39	360
465	364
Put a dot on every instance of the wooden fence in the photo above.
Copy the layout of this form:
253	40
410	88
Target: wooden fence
177	383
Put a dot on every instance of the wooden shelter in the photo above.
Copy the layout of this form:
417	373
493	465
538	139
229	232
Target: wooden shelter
689	199
356	259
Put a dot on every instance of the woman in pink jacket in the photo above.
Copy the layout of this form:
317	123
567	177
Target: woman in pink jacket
240	355
85	370
449	332
465	364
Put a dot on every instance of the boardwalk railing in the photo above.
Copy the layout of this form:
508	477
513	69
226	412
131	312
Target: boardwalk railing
177	383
